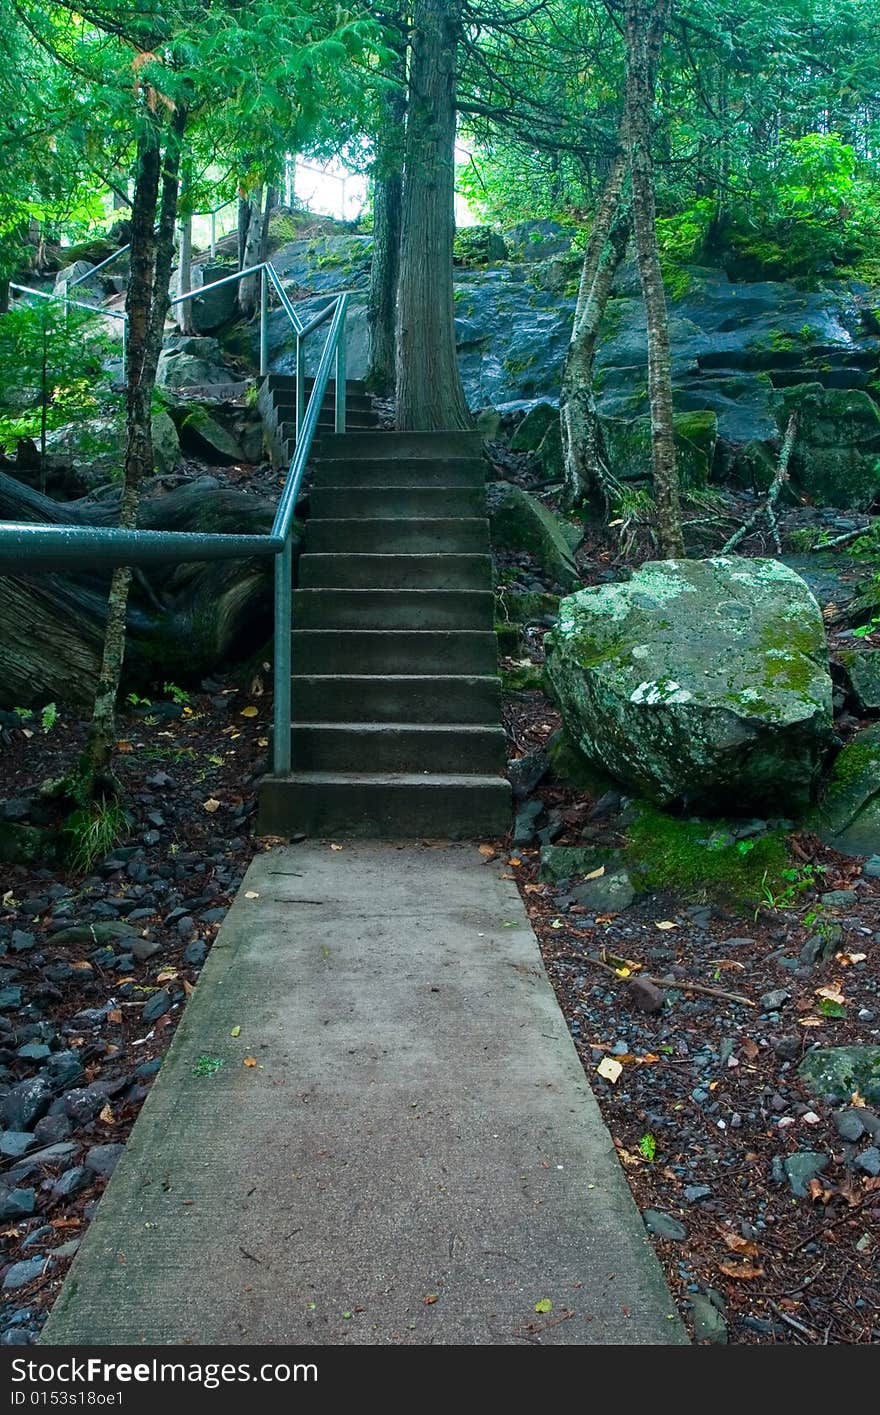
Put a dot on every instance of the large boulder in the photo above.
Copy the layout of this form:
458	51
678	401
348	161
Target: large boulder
216	308
836	456
630	453
848	816
191	362
698	681
203	435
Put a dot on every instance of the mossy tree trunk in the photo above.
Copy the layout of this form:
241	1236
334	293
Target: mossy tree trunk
387	208
640	15
147	302
429	392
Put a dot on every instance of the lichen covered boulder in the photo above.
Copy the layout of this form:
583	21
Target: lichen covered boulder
698	681
848	816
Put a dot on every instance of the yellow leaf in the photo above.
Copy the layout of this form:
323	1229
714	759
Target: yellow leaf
534	889
335	847
250	712
487	851
211	805
250	1061
251	894
609	1069
623	972
858	1100
106	1115
832	992
596	874
515	861
665	924
262	741
236	1032
167	975
847	958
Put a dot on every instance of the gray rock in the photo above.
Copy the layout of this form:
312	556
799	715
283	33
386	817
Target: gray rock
646	995
144	948
871	868
14	1142
611	893
838	898
82	1104
20	1274
156	1005
848	1125
52	1129
205	436
772	1001
704	681
693	1193
848	816
564	861
217	307
800	1168
17	1203
524	773
519	521
166	443
664	1225
24	1103
109	931
524	827
195	953
869	1161
71	1182
709	1323
102	1159
63	1067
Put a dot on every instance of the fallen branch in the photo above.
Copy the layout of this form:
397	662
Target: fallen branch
780	477
840	540
660	982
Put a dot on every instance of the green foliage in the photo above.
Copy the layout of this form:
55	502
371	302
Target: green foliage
700	859
177	695
48	717
92	830
51	361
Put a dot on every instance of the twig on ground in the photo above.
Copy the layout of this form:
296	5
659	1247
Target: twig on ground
678	984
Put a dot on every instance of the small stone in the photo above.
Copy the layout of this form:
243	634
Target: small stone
17	1203
693	1193
22	941
195	953
869	1161
20	1274
772	1001
102	1159
71	1182
64	1067
848	1125
838	898
14	1142
82	1104
709	1323
664	1225
10	999
871	867
52	1128
801	1168
186	926
787	1048
145	948
25	1103
157	1005
34	1051
645	995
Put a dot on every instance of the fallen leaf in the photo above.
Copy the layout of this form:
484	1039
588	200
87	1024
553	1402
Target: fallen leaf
262	741
742	1272
818	1193
106	1115
858	1100
487	851
515	861
609	1069
430	1299
596	874
124	747
236	1032
188	988
250	1061
847	958
832	992
750	1049
545	1305
251	894
211	805
557	924
665	924
534	888
737	1244
335	847
167	975
250	712
810	1021
115	1016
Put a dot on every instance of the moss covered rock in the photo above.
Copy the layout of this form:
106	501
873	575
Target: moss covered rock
837	1072
203	434
862	669
836	457
698	681
520	522
848	816
629	447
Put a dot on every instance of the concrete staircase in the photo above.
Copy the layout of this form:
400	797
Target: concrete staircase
396	698
277	403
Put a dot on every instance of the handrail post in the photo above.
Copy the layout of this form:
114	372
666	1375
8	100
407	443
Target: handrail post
300	383
339	423
283	646
125	348
264	322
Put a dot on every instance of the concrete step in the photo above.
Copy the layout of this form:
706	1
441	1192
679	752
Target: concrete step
394	651
284	403
402	746
425	698
353	386
391	537
393	609
403	445
381	471
385	805
397	572
397	502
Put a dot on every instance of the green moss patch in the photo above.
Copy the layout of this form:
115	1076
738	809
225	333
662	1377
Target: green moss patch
700	859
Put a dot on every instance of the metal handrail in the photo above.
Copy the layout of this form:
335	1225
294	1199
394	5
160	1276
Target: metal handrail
59	546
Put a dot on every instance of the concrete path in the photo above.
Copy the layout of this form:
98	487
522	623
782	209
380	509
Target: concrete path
416	1158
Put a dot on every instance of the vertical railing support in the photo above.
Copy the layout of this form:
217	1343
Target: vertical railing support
283	645
213	234
125	349
339	422
300	383
264	322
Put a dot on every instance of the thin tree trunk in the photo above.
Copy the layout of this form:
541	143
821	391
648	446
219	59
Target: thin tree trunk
387	207
583	452
184	276
429	392
271	203
244	219
249	288
147	302
640	14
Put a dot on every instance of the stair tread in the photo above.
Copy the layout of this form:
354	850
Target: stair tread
470	728
402	778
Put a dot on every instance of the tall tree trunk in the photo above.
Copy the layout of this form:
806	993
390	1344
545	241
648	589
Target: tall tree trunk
640	14
582	443
147	301
387	207
271	203
429	391
249	288
244	221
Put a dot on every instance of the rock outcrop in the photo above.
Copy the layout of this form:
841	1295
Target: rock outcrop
702	682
